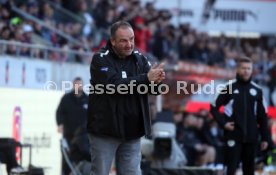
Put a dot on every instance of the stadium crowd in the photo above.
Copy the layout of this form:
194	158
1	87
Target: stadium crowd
155	35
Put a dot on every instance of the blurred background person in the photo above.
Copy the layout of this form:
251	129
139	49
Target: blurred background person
244	117
198	152
71	114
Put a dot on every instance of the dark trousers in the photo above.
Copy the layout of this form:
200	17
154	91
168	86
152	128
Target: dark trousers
65	168
240	152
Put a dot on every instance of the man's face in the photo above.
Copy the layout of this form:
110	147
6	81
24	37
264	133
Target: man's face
77	86
123	42
245	70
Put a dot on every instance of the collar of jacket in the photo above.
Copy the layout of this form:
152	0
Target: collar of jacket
241	81
72	93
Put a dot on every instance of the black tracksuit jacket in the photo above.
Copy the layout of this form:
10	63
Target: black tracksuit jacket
72	113
243	104
104	118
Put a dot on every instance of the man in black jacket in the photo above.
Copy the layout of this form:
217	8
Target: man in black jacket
116	121
72	114
244	117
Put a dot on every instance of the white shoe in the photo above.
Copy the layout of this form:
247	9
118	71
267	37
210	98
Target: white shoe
18	169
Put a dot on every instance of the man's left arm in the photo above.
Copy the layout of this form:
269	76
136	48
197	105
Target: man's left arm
262	121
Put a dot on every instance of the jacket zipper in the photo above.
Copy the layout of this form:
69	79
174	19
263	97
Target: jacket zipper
120	121
138	71
245	115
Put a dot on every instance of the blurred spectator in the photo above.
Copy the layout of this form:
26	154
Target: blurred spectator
215	56
101	14
11	49
71	114
33	9
48	12
5	33
197	152
142	34
230	57
86	16
178	118
160	46
199	52
4	13
212	135
27	30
